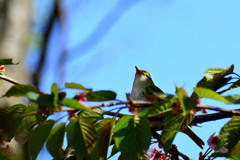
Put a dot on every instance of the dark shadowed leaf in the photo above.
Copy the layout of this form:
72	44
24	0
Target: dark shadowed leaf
235	152
6	61
81	136
75	86
101	95
55	140
132	136
38	138
73	103
20	90
10	119
43	100
157	109
105	138
114	151
172	124
93	115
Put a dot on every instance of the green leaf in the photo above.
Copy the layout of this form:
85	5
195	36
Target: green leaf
43	100
236	150
235	85
54	94
172	124
218	154
6	61
187	103
101	95
230	133
132	136
93	115
20	90
114	151
207	93
38	138
55	140
105	138
75	86
159	108
73	103
81	136
215	78
10	119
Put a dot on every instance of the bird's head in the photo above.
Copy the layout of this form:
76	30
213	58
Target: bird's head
142	76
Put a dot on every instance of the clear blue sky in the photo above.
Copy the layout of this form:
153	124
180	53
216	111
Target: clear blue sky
176	41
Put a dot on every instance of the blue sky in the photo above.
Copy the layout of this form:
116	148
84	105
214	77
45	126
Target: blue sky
176	41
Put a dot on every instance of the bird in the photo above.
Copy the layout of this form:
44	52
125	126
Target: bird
144	88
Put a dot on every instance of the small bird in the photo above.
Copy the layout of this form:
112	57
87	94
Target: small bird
143	90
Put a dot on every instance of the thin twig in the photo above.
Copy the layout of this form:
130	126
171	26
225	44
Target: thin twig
234	112
3	77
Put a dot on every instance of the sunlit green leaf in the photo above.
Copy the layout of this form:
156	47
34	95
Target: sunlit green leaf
20	90
54	94
132	136
207	93
101	95
38	138
73	103
230	133
75	86
55	140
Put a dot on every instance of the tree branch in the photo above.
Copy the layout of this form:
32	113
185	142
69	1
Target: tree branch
233	112
3	77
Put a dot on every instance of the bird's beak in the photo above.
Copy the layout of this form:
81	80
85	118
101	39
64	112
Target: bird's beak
137	70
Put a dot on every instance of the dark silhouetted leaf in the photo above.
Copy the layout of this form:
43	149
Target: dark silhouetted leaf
132	136
20	90
101	95
38	138
55	140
